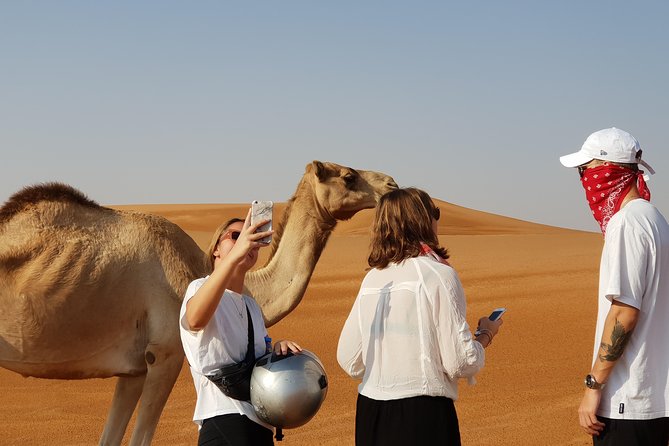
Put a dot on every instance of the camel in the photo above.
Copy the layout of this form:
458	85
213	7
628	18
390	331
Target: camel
91	292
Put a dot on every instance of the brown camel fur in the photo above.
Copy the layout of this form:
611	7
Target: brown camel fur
91	292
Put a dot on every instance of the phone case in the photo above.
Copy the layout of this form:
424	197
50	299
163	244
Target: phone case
262	210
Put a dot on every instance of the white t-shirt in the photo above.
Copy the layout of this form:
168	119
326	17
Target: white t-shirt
407	335
635	270
223	341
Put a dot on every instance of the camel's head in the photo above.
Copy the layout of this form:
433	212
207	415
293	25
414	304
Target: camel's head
342	191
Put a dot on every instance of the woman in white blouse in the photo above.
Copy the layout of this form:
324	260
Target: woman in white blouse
406	336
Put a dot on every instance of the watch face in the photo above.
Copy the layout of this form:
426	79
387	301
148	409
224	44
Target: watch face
591	382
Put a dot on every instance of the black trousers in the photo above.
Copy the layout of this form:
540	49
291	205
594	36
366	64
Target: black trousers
633	432
419	420
233	430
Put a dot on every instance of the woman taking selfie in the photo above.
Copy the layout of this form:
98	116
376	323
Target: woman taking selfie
215	332
406	336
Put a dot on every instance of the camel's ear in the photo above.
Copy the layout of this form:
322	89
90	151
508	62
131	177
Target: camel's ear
318	168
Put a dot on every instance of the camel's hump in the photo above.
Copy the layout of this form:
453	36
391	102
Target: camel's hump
30	195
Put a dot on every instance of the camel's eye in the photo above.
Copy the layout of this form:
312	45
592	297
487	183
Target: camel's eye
350	178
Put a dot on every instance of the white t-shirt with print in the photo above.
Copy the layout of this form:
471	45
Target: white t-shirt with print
223	341
634	270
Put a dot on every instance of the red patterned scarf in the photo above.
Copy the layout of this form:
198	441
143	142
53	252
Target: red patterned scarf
605	188
427	251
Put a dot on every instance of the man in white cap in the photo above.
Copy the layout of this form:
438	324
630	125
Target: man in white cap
626	400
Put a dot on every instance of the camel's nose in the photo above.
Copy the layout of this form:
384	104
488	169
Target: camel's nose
390	183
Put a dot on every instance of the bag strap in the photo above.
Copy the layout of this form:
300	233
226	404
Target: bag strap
250	349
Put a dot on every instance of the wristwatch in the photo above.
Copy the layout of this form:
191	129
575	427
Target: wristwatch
591	383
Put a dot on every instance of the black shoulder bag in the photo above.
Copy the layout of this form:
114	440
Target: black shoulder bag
234	380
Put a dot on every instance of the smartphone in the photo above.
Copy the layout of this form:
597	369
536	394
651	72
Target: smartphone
496	314
262	210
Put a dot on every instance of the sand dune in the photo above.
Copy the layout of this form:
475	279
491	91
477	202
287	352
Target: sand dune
527	394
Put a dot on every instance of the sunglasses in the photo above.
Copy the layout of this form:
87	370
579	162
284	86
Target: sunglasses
232	235
581	170
436	213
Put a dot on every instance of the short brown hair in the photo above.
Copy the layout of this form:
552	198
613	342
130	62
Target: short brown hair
402	221
214	242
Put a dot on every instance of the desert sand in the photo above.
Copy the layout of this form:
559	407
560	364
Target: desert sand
527	394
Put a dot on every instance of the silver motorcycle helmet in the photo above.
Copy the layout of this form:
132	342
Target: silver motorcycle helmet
287	390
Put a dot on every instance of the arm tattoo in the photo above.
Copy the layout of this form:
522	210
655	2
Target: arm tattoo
619	338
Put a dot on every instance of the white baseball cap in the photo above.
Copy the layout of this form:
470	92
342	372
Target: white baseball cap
612	144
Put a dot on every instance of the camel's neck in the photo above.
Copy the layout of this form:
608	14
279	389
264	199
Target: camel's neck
298	243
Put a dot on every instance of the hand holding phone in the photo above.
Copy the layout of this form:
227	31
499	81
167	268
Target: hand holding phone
495	315
262	210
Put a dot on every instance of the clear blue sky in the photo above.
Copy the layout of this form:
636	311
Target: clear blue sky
222	102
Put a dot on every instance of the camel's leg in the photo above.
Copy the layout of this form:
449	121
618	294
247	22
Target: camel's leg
164	368
126	395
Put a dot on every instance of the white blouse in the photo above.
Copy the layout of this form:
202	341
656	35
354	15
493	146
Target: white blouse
407	334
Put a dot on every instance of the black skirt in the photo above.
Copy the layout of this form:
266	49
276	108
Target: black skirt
420	420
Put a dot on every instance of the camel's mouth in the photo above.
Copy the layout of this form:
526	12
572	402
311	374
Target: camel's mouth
390	186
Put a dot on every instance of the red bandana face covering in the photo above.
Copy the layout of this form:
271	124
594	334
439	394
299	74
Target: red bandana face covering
605	188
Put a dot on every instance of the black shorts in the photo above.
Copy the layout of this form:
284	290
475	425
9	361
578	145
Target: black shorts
633	432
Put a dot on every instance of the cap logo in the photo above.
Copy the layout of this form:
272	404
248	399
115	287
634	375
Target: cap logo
603	152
